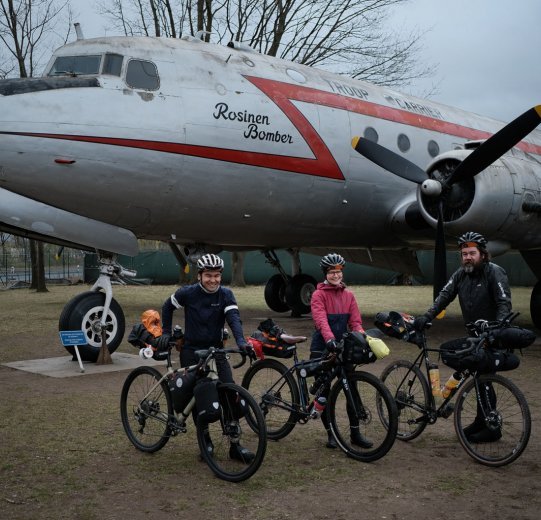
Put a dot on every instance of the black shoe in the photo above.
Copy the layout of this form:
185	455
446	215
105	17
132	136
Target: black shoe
359	440
238	452
485	435
475	427
331	443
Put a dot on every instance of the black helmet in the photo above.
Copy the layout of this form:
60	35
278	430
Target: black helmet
331	261
472	239
210	262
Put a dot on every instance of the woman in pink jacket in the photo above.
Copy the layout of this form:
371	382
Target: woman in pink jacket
334	311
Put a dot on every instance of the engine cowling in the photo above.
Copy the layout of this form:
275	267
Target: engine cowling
490	202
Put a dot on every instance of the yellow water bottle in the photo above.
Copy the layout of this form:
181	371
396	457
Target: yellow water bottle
434	373
450	385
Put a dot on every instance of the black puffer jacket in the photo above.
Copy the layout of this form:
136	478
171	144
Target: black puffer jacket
483	294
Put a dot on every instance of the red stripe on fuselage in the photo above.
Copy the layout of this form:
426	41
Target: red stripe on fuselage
282	94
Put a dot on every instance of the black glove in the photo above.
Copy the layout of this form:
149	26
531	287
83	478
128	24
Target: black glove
481	325
331	345
421	322
162	343
248	349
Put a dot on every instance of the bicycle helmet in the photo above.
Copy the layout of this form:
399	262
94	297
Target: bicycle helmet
472	239
210	262
332	261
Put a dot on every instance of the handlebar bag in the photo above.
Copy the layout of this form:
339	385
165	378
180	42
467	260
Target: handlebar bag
483	360
511	338
207	402
356	349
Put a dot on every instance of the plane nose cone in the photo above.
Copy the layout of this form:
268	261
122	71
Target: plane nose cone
431	188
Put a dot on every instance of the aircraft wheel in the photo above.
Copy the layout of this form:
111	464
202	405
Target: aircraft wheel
84	312
535	305
299	293
275	294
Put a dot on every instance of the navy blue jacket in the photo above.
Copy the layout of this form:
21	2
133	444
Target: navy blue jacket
205	315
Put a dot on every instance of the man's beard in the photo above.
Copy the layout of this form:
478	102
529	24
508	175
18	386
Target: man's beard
470	267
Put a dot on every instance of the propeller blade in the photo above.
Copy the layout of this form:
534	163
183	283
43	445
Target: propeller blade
388	160
440	254
496	145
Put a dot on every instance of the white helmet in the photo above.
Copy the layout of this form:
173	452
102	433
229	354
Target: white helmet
210	262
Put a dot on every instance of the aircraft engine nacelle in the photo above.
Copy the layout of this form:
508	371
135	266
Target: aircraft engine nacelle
490	203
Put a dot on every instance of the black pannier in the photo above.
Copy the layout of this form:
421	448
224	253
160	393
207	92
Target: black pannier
233	404
207	402
181	386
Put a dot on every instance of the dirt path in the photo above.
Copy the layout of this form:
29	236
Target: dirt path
64	455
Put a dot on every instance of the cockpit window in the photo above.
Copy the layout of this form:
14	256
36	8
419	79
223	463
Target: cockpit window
112	64
75	65
142	74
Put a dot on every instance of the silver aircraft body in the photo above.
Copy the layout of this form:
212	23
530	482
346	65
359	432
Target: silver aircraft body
221	148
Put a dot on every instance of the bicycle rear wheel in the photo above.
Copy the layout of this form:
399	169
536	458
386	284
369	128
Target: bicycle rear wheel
373	414
276	392
503	434
223	442
145	414
410	390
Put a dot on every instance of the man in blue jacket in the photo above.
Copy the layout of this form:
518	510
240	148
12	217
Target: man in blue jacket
207	307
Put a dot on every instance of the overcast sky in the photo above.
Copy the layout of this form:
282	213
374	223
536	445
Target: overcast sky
487	51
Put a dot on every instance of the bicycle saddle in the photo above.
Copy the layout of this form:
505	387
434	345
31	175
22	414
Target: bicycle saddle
287	338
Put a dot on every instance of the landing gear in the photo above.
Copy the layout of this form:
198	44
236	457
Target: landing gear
275	293
283	292
94	311
299	293
535	305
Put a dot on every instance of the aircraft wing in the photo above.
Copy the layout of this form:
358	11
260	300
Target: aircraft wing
26	217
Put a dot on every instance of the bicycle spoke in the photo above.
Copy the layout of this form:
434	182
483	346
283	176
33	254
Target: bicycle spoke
365	429
145	412
495	428
231	447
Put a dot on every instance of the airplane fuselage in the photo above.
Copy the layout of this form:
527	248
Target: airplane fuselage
234	148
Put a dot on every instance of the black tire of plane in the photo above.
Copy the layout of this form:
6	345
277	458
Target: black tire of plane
299	293
275	293
81	312
535	305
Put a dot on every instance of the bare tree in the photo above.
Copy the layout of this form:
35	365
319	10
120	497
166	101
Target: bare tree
24	29
342	36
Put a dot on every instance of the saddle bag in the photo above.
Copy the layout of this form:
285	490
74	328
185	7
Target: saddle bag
267	337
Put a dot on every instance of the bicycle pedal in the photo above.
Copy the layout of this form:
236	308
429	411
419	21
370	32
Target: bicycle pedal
447	411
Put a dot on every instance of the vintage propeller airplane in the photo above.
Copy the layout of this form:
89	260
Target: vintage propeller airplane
211	148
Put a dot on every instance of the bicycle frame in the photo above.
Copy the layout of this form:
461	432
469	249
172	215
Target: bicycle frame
211	372
431	414
300	371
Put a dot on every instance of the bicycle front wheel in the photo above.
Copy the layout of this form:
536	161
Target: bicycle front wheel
411	393
230	446
276	392
364	428
145	409
493	427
